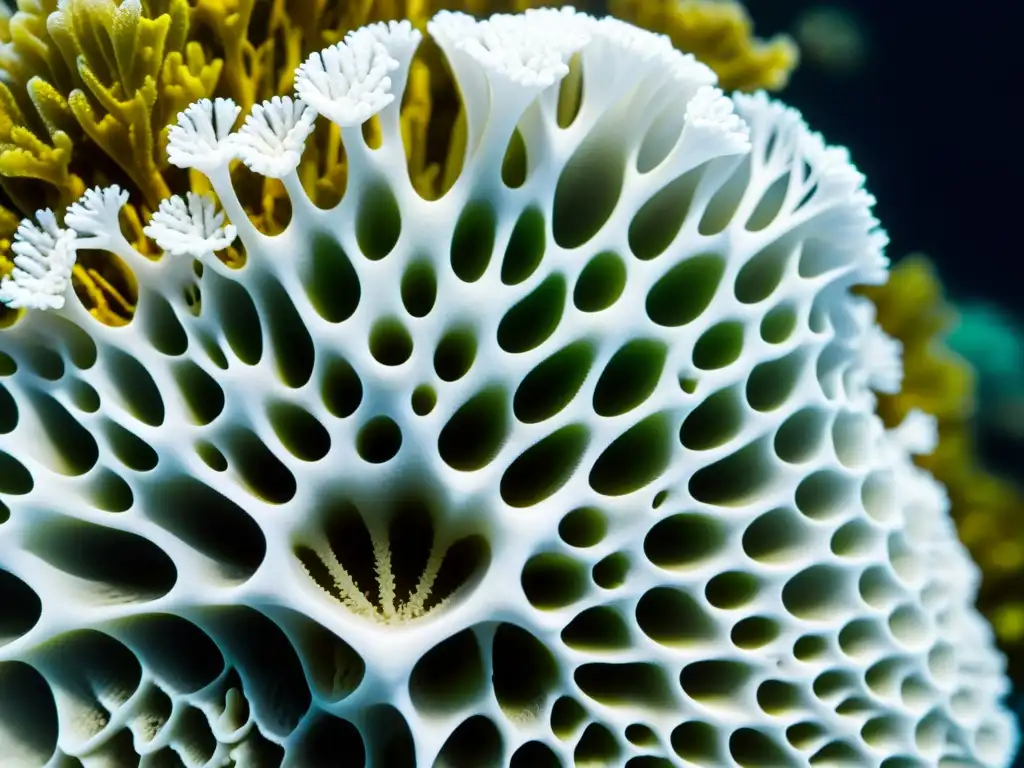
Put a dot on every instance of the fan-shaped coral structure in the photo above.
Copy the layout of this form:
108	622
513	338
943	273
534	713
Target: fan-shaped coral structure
576	464
88	88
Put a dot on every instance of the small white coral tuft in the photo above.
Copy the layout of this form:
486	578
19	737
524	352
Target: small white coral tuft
833	170
448	27
777	129
274	135
531	49
641	44
712	128
652	52
918	433
44	257
401	38
882	359
348	83
194	229
95	214
202	138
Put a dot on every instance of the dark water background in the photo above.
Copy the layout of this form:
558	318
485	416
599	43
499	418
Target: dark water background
928	117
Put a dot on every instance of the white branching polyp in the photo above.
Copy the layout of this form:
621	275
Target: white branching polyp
349	82
202	137
44	256
194	228
576	466
274	135
95	216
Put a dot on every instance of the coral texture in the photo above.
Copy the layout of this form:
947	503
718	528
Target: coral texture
988	509
576	464
69	121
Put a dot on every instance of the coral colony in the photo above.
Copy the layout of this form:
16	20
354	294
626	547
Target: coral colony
577	464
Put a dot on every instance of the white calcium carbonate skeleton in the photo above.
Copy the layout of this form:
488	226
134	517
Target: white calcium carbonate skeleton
572	466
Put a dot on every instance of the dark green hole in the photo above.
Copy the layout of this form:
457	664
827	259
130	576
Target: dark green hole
476	431
544	467
524	672
264	473
589	188
211	456
455	354
754	632
684	540
735	479
583	527
566	716
525	248
424	398
534	318
473	241
630	377
299	431
14	478
340	388
390	342
135	386
683	293
778	324
719	346
514	165
600	283
625	684
597	746
294	352
236	316
762	274
379	440
330	280
770	384
697	742
714	422
378	222
8	411
553	383
161	325
129	449
553	581
419	288
731	589
659	220
635	458
596	629
611	572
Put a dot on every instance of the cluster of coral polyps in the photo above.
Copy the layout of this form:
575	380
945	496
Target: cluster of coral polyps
576	465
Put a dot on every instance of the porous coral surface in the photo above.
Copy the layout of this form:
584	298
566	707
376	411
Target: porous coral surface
988	509
575	465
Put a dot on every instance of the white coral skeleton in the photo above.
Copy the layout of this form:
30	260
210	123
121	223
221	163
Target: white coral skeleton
578	471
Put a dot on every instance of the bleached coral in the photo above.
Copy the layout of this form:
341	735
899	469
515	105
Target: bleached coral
190	228
581	470
202	138
44	255
274	135
349	82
